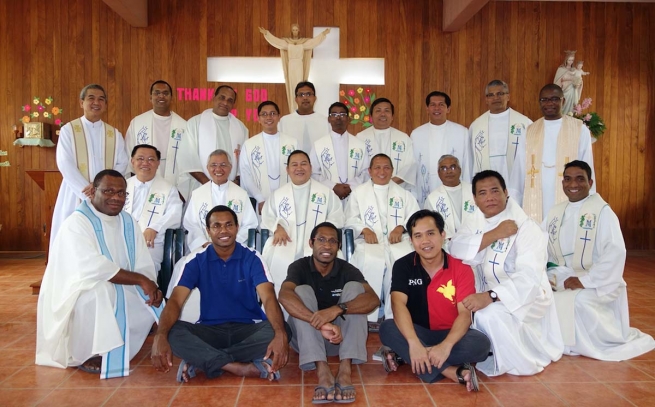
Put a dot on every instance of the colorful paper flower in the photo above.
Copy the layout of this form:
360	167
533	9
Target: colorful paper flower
46	114
353	109
25	119
367	119
351	92
356	117
360	90
35	101
56	111
48	100
35	114
40	108
27	108
58	122
362	108
356	100
367	99
342	93
368	90
345	102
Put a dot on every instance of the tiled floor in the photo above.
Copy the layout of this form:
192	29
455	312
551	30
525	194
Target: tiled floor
574	381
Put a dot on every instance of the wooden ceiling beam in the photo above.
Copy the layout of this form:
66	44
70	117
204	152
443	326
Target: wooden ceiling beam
456	13
135	12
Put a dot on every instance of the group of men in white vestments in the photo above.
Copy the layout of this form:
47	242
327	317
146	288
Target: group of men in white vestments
304	170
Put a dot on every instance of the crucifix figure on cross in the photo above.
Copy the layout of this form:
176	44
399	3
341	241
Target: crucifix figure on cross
326	75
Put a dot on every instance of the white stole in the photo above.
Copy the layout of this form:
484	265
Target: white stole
480	132
144	129
324	148
257	158
209	140
82	149
440	201
155	203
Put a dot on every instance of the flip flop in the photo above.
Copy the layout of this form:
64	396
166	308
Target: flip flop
327	391
90	370
474	376
386	361
190	371
259	363
341	390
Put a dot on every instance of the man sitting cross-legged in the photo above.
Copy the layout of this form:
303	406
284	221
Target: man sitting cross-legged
327	300
431	327
233	334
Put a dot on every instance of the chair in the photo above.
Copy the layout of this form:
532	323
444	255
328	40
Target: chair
173	252
348	246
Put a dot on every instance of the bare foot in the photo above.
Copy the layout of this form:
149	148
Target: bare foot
326	381
186	374
390	362
345	389
451	373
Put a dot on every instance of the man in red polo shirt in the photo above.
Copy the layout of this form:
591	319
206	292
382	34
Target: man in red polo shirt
431	327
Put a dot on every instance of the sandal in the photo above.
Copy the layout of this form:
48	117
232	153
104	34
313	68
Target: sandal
264	372
327	391
474	376
386	361
92	365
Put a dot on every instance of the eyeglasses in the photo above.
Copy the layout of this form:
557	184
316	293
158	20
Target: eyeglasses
499	94
554	99
111	192
444	168
338	115
161	93
217	226
221	165
269	114
323	241
305	94
149	159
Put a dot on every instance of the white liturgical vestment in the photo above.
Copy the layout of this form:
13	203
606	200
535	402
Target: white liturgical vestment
307	129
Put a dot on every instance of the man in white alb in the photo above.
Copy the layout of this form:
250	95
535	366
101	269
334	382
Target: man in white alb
381	138
453	199
154	202
98	298
265	155
551	142
376	212
213	129
304	124
291	214
514	303
586	257
495	135
87	145
218	191
432	140
340	159
164	129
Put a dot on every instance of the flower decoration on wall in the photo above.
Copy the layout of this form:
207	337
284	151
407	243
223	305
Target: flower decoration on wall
359	105
593	122
37	109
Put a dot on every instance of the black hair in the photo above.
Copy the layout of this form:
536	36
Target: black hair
228	87
302	85
337	104
107	173
221	208
267	103
381	100
552	86
488	174
138	146
294	152
325	225
162	82
425	213
378	156
437	93
579	164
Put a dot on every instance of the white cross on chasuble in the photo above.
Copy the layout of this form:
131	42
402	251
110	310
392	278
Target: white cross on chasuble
327	70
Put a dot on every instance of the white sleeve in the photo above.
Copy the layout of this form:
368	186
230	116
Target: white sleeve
353	219
248	221
196	235
130	142
516	182
189	158
66	162
247	181
122	158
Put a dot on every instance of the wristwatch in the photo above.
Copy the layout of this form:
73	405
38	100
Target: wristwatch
344	309
493	295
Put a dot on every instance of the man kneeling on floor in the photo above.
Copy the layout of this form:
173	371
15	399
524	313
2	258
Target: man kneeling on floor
327	300
233	334
430	328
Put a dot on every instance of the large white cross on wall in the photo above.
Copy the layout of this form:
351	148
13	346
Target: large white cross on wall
327	70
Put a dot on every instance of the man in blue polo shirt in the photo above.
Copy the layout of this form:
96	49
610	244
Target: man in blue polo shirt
233	334
431	326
